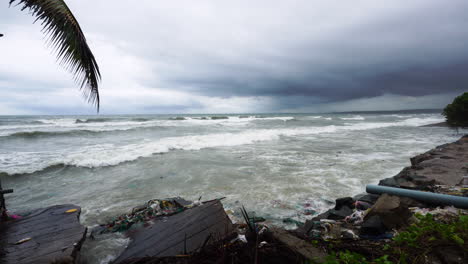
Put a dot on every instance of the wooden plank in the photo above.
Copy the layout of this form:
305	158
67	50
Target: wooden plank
6	191
53	234
191	227
3	214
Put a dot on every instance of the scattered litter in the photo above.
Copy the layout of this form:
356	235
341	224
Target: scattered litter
327	229
309	211
142	214
24	240
14	217
308	207
356	218
242	238
71	211
451	190
360	205
441	214
262	244
349	234
263	230
332	231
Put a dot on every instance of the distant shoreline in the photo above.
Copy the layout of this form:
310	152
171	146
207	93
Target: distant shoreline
441	124
406	111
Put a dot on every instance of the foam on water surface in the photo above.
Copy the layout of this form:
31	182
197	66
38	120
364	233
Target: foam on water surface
279	166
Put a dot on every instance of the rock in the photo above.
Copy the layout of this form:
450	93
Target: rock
373	226
303	248
339	214
361	205
393	211
408	185
367	197
346	201
443	165
447	157
324	215
409	202
390	182
420	158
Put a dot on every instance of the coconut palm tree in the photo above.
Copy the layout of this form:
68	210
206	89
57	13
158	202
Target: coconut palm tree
67	39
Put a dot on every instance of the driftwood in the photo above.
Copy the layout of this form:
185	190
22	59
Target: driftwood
3	210
43	236
179	234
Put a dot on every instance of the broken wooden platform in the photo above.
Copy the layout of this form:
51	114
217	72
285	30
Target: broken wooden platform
181	233
48	234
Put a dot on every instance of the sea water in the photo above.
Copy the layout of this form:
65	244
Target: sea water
280	166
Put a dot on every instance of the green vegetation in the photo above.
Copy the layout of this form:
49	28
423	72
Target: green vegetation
416	243
430	233
66	37
456	113
348	257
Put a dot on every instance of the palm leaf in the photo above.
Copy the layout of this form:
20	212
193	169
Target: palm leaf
67	39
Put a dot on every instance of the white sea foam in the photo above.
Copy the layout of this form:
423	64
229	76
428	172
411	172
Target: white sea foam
70	124
106	155
353	118
111	154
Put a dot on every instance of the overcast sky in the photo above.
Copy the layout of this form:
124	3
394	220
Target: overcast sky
244	56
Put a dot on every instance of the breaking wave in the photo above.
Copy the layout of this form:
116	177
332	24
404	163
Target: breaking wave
37	134
110	154
93	120
47	168
353	118
76	132
232	118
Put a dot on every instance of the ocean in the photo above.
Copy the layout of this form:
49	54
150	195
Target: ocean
280	166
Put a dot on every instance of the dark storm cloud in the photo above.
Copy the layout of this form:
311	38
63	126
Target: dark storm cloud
416	51
291	54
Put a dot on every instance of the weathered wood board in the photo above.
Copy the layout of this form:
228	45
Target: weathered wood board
51	233
186	230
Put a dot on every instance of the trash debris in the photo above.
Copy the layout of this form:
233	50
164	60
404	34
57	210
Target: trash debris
308	207
327	221
356	218
349	234
242	238
262	244
24	240
141	214
14	217
71	211
239	237
361	205
332	231
444	214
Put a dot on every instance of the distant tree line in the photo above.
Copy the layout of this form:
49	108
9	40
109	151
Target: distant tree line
456	113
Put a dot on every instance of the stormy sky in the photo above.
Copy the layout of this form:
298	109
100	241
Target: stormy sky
244	56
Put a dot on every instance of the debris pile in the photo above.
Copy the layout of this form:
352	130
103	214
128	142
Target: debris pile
145	213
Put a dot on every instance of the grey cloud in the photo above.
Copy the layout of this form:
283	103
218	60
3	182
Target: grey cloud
299	53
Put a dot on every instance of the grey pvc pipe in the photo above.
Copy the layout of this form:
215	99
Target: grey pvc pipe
428	197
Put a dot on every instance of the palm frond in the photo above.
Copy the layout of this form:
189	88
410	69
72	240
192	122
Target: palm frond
67	39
